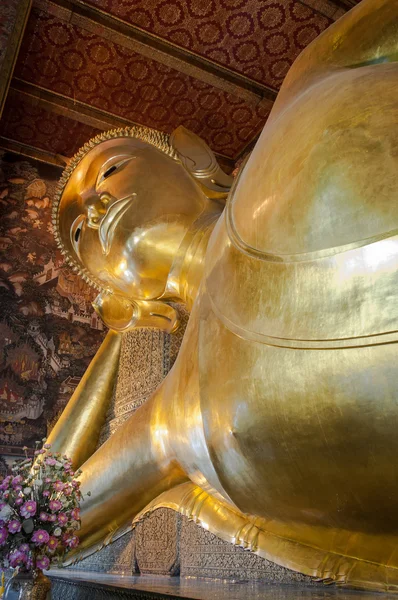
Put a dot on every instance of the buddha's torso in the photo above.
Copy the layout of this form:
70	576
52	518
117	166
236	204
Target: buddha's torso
285	386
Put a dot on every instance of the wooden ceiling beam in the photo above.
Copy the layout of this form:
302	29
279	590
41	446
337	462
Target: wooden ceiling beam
33	152
78	111
346	4
153	47
68	107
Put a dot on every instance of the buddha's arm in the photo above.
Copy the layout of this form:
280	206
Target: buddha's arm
77	430
132	468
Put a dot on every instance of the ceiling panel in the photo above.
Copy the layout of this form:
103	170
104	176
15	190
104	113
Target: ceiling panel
258	38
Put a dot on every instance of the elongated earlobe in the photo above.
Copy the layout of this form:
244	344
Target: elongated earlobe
121	314
201	163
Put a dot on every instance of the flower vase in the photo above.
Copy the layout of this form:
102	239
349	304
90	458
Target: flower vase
28	586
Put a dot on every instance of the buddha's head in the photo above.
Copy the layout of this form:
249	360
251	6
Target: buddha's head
125	204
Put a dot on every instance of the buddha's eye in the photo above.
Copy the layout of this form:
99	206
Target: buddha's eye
109	171
116	166
76	232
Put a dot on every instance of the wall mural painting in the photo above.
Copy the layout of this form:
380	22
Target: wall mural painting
48	329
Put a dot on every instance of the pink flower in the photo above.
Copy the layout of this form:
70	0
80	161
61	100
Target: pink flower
43	516
24	548
17	480
28	509
75	514
50	461
52	543
62	518
42	562
59	486
19	501
47	446
48	480
46	493
55	505
14	526
3	536
40	537
70	540
68	490
52	518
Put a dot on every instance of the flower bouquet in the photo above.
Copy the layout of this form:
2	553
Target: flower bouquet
39	513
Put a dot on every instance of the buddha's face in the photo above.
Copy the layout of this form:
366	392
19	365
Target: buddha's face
123	215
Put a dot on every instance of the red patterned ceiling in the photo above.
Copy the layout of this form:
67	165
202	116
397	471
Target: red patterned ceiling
85	63
81	65
257	38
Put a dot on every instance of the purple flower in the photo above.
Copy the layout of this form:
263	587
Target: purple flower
46	493
43	516
17	558
24	548
62	518
5	483
47	446
42	562
59	486
19	501
28	509
17	480
55	505
17	488
75	514
50	461
3	536
14	526
52	518
40	537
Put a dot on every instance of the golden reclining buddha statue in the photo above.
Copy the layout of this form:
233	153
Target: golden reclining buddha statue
277	427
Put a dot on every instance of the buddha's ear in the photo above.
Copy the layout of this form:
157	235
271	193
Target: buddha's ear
201	163
121	314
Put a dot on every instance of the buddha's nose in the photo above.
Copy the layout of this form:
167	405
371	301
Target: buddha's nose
96	210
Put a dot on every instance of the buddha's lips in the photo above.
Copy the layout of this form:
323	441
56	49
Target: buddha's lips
110	220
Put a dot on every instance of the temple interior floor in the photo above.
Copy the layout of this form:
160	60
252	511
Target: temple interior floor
78	585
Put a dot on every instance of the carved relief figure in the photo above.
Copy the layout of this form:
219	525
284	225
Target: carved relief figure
276	427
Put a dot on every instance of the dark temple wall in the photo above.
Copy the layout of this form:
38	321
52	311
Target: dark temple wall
48	329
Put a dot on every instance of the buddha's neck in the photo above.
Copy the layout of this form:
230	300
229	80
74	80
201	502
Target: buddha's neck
187	270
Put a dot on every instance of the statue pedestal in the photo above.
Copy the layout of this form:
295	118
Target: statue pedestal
75	585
